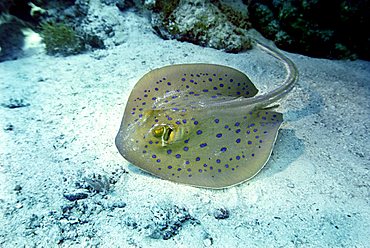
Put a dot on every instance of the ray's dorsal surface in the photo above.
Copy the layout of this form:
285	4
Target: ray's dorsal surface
201	124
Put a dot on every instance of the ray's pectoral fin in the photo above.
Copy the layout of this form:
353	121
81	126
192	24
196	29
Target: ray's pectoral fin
264	135
240	147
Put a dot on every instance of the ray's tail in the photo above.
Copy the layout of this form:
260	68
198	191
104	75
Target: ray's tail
264	100
287	85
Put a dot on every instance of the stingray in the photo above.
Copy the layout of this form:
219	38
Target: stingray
202	124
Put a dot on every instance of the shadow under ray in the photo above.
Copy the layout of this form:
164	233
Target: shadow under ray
288	148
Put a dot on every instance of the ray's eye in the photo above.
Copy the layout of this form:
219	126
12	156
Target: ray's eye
158	131
162	132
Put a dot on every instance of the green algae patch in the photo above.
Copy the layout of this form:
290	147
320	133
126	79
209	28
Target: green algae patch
61	39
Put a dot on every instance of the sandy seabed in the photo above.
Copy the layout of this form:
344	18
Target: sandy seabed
60	115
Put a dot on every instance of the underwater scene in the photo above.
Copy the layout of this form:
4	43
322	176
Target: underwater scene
184	123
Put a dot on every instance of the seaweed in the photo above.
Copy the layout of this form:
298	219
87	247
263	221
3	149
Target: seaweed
166	7
210	23
237	18
61	39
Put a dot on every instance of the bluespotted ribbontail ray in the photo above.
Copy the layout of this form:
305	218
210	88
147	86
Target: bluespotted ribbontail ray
202	124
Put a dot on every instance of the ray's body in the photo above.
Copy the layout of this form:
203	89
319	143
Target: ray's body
202	124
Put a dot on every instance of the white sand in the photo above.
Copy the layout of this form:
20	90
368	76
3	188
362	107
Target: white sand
314	191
